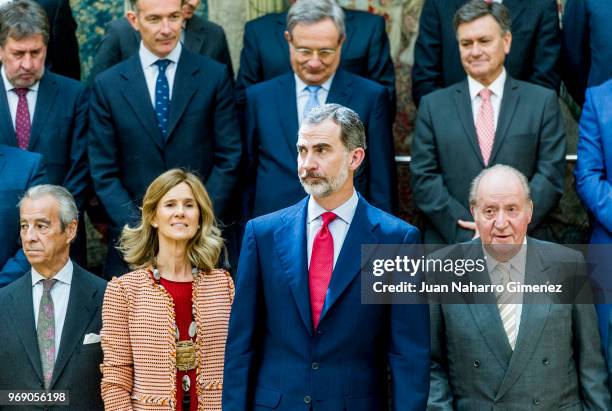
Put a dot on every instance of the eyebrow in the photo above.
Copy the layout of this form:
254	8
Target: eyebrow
38	220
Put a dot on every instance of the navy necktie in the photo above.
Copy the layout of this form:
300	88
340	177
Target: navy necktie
162	97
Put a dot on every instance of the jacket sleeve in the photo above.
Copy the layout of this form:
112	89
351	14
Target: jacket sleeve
108	53
547	49
380	63
117	368
250	71
440	395
63	50
576	50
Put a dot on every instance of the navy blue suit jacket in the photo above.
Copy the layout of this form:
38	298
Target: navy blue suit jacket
59	132
271	136
365	52
63	48
587	49
127	150
275	359
19	170
534	54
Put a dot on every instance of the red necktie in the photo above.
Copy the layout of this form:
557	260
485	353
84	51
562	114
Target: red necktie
22	119
321	267
485	125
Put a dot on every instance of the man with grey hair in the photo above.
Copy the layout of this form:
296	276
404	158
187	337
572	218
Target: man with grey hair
275	109
51	316
299	337
498	354
489	118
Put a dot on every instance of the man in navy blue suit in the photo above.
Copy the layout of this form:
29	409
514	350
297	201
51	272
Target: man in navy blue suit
19	170
164	107
299	337
365	52
275	108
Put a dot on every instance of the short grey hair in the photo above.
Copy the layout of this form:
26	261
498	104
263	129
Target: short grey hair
352	132
67	207
132	4
498	168
23	18
476	9
314	11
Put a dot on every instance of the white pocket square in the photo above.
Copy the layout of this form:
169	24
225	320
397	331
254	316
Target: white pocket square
91	339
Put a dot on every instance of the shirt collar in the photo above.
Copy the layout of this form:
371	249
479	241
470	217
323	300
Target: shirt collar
517	262
300	85
148	59
64	275
497	87
345	211
8	86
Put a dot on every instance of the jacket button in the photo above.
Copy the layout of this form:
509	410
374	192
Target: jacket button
307	399
476	363
319	332
545	361
536	402
315	365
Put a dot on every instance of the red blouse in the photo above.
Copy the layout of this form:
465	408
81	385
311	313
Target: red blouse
181	293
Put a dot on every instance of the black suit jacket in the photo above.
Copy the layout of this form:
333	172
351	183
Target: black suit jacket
446	156
533	57
77	367
58	132
122	41
63	48
265	52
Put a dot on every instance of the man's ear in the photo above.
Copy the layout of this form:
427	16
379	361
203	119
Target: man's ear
287	36
132	18
71	230
356	157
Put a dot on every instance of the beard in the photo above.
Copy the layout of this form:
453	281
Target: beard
324	186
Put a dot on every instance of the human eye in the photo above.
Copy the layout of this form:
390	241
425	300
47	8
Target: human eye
304	52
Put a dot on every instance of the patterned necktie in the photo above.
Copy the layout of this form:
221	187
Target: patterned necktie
321	267
162	97
22	118
46	331
506	304
313	99
485	125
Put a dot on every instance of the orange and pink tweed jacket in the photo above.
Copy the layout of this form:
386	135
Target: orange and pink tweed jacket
138	341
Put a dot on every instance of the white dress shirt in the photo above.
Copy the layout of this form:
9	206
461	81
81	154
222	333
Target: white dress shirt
302	94
60	293
338	227
13	99
497	93
150	69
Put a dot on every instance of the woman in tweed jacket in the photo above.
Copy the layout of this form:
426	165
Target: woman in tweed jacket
164	346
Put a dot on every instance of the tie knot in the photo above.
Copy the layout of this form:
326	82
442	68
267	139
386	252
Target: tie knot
162	64
48	284
21	91
503	269
313	89
328	217
485	94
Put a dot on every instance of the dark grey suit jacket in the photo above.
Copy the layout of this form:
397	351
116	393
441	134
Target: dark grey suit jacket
121	41
446	156
77	368
557	361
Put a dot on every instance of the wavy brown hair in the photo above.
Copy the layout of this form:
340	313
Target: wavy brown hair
140	245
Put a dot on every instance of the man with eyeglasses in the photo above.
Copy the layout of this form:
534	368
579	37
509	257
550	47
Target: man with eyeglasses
275	108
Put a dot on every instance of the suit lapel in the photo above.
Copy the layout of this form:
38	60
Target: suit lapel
80	311
183	89
22	313
348	264
136	93
47	92
464	109
341	90
292	257
7	132
286	102
508	106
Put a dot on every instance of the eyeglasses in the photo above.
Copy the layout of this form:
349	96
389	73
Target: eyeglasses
307	54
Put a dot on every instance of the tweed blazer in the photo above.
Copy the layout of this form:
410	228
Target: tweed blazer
138	341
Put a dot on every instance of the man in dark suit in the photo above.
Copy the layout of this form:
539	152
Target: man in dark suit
365	52
299	337
63	48
164	107
41	111
276	107
51	316
199	36
488	119
19	170
501	355
587	49
536	45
